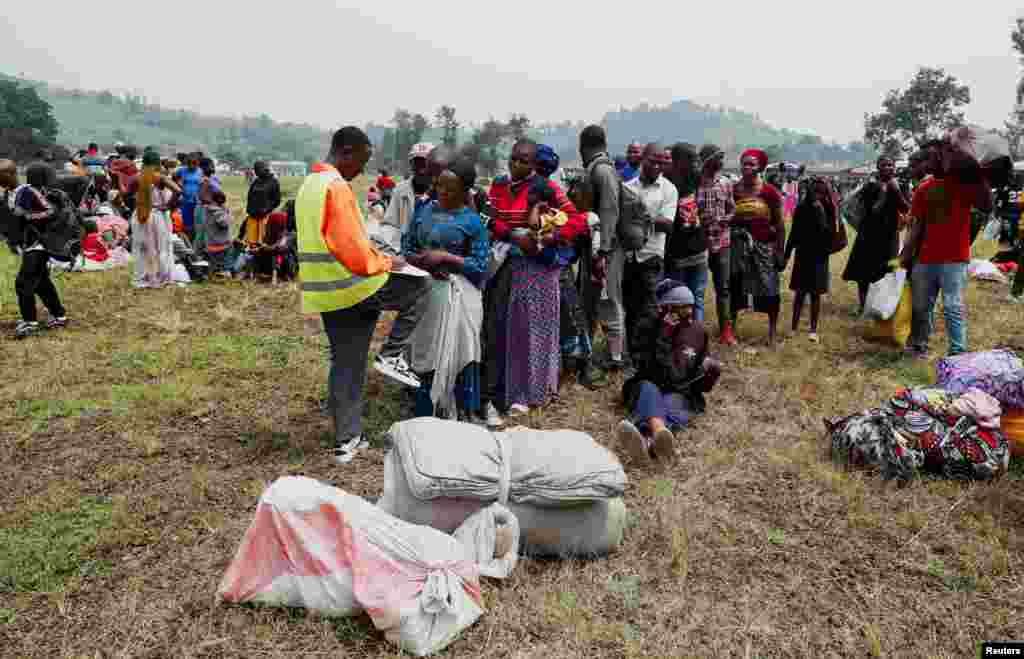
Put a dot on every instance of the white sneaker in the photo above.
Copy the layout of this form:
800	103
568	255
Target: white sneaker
344	453
518	410
491	417
397	369
631	441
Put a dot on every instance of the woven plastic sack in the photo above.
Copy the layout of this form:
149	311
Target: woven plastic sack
547	468
588	529
896	330
315	546
884	296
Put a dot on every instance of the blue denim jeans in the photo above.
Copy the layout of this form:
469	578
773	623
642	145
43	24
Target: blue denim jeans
926	280
696	279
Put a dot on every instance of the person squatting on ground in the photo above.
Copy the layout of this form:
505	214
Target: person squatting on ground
33	206
674	371
811	237
347	281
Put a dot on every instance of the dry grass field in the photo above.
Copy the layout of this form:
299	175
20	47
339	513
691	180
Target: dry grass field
135	443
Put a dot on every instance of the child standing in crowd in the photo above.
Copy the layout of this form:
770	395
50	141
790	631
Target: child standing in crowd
674	371
811	236
218	236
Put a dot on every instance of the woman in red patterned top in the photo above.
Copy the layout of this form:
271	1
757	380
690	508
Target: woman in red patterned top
758	238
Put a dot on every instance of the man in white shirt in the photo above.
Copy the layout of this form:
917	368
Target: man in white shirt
403	202
633	275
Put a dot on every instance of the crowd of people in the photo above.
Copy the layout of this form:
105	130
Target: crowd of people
500	295
496	297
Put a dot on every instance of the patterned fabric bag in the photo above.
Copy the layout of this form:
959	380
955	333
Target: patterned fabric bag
999	373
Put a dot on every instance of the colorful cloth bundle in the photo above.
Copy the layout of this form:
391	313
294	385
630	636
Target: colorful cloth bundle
924	429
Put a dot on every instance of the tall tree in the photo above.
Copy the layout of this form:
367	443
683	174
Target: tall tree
518	125
1014	132
21	108
929	105
445	116
487	139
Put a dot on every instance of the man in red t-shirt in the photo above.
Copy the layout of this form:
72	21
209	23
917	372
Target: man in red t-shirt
939	248
386	186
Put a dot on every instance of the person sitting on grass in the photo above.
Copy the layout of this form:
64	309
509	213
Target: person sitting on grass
674	371
218	234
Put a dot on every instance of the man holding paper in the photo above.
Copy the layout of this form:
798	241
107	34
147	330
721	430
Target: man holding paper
349	283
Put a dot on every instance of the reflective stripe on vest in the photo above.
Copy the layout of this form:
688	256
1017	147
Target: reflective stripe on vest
326	284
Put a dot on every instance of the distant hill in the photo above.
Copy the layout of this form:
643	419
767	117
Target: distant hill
685	121
90	116
101	116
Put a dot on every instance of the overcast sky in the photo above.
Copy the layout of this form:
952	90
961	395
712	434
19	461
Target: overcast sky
808	66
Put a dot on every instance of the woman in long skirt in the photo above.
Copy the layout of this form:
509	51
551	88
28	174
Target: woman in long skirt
151	225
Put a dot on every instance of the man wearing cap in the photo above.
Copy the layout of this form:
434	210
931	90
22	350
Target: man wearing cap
403	202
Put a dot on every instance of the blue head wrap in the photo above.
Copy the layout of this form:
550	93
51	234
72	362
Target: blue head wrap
547	160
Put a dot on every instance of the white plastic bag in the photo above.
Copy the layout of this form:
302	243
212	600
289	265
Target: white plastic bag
314	546
884	296
986	270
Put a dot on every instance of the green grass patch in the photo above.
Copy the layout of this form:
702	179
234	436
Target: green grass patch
42	411
53	547
909	371
245	352
145	362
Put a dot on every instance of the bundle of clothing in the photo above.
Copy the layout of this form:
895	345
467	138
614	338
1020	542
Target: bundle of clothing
1000	374
563	487
954	435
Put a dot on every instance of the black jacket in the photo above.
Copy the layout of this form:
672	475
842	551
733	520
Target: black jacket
264	197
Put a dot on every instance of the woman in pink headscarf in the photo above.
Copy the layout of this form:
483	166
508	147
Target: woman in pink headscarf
758	242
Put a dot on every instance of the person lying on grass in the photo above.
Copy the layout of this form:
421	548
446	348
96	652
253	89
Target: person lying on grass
674	371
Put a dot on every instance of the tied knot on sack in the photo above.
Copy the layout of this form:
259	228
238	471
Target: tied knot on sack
438	595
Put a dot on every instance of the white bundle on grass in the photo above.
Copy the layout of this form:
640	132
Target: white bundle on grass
315	546
564	488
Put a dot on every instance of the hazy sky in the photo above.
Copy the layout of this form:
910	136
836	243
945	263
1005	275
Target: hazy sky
808	66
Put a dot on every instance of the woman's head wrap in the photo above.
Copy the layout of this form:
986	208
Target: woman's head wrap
547	160
758	155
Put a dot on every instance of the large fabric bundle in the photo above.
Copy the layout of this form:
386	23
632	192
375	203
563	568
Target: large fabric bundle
956	436
564	487
593	528
549	468
884	296
314	546
999	373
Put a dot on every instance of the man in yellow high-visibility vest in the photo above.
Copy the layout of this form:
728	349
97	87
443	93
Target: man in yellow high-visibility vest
349	282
